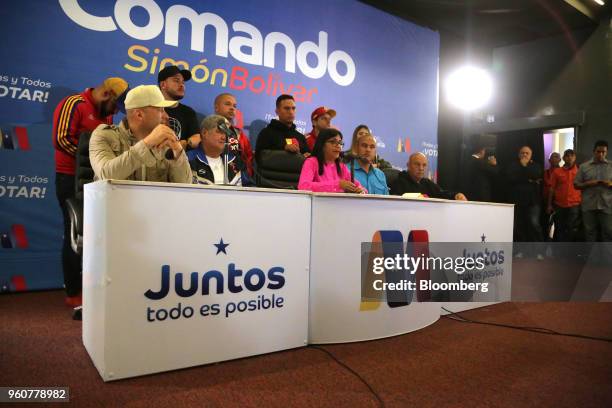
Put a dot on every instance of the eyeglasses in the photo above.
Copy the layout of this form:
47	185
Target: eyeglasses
336	142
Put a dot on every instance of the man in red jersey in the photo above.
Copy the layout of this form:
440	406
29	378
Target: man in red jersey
321	119
74	115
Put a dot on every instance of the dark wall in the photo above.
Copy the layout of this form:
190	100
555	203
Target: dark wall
586	84
523	72
560	75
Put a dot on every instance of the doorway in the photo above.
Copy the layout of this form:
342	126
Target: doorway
505	146
558	140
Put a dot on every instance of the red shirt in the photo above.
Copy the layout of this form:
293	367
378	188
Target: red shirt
246	151
562	181
311	139
547	177
74	115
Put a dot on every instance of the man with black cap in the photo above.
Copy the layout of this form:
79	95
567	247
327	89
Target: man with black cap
321	119
171	81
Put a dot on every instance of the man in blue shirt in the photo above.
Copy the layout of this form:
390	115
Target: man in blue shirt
361	165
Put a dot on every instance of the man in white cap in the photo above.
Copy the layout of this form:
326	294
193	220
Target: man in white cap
142	147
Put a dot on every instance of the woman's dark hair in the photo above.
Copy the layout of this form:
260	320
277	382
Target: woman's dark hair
318	151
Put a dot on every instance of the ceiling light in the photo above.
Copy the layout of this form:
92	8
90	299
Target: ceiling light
469	88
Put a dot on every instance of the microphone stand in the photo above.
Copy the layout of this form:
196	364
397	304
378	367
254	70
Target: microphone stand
229	132
225	161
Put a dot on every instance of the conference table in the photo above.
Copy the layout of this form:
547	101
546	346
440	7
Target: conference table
178	275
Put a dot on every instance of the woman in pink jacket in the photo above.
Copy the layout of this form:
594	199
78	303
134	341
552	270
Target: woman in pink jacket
323	171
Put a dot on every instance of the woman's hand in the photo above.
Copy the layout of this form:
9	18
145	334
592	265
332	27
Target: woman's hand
349	187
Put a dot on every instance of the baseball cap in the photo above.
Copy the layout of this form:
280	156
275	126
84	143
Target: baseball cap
320	111
172	70
147	95
116	85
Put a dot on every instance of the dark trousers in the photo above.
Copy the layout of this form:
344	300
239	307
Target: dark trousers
71	261
597	225
527	227
567	223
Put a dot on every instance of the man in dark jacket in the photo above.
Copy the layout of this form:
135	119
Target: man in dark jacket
281	134
208	160
481	172
525	181
414	181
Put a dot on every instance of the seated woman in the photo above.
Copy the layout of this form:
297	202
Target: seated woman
363	155
323	171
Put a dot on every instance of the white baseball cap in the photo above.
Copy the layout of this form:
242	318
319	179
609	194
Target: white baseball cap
147	95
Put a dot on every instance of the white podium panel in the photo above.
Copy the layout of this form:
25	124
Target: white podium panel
177	276
340	223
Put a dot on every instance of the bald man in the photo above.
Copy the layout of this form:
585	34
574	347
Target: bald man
226	106
414	181
525	183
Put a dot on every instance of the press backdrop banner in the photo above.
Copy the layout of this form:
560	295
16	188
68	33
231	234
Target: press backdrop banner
369	66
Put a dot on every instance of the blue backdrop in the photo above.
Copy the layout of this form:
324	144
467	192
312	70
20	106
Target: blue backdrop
369	66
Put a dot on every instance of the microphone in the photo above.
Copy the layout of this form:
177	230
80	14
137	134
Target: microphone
175	126
231	136
351	157
222	126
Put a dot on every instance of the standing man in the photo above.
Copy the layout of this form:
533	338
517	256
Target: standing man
226	106
553	160
74	115
525	179
565	197
321	119
414	181
142	147
594	178
280	134
171	81
482	169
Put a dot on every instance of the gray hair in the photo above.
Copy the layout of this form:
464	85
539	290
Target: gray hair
211	122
